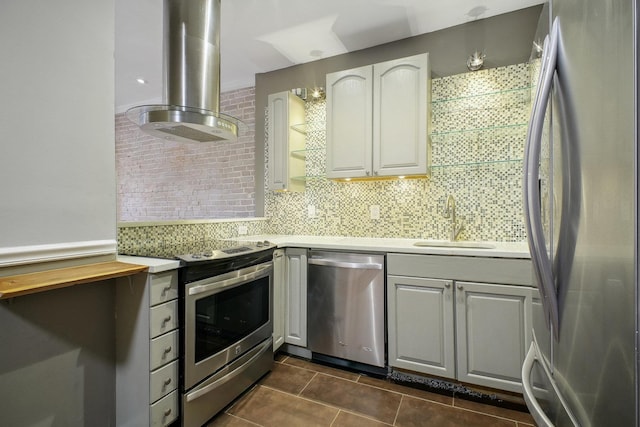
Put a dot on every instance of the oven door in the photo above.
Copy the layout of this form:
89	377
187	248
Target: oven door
225	316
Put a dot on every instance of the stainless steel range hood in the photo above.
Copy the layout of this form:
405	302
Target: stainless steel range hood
191	78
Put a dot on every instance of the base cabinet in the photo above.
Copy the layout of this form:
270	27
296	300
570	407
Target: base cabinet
295	327
147	349
279	287
474	332
493	333
412	303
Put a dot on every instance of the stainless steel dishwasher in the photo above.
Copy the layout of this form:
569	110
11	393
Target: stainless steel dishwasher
345	309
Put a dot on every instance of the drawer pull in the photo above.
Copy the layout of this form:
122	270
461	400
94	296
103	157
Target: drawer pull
460	287
167	381
167	350
166	319
167	412
165	290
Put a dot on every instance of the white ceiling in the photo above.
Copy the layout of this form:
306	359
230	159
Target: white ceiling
257	36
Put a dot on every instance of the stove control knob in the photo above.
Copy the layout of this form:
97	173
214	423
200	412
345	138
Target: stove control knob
196	256
259	244
207	254
266	243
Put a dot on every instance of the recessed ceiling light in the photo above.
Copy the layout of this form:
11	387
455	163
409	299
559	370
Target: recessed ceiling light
141	81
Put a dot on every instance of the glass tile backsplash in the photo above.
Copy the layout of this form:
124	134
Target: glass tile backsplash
478	128
479	123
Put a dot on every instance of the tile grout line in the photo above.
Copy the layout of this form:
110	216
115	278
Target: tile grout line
354	382
402	394
328	374
283	360
245	420
486	413
361	415
307	384
325	404
336	417
493	415
398	410
235	401
408	395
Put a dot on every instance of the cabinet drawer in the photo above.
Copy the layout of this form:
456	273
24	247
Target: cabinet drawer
165	410
510	271
164	349
164	318
163	286
163	381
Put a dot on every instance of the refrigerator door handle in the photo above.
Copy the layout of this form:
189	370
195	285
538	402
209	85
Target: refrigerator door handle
538	414
527	389
542	265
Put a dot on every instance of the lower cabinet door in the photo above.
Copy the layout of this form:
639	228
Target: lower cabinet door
279	279
493	330
420	325
295	327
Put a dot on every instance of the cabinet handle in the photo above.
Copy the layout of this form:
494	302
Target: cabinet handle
165	289
459	287
368	173
167	350
167	381
167	412
375	172
447	285
166	319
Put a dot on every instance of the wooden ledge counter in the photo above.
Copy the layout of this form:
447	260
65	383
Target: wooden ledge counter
31	283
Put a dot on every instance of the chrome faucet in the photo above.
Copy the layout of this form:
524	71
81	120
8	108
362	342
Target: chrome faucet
457	225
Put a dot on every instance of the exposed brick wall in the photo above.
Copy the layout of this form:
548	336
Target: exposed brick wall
164	180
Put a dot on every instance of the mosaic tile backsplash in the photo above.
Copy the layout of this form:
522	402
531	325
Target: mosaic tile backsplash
479	124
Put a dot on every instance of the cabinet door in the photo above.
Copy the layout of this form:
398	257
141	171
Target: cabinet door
400	100
285	110
295	327
420	323
349	123
278	298
493	329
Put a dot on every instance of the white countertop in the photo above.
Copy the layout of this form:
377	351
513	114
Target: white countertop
392	245
156	265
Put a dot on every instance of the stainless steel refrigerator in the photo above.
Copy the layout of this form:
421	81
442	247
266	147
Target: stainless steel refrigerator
581	214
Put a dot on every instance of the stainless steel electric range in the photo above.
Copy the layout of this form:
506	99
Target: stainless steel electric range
226	312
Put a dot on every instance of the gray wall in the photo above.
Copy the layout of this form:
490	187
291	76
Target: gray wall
57	358
57	161
506	39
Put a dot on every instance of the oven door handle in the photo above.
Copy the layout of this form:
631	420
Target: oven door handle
217	381
234	281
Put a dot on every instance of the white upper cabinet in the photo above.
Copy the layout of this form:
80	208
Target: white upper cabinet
350	123
377	118
286	145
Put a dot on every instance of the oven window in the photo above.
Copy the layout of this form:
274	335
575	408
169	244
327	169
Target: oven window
228	316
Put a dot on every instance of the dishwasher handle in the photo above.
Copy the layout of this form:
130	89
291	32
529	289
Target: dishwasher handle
345	264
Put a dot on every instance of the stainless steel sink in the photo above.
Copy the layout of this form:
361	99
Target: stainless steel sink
448	244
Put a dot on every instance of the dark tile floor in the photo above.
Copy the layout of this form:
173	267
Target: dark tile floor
301	393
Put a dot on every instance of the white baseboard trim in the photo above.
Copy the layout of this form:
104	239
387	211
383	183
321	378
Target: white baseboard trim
20	255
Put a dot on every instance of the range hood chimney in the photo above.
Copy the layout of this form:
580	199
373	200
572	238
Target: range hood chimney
191	78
